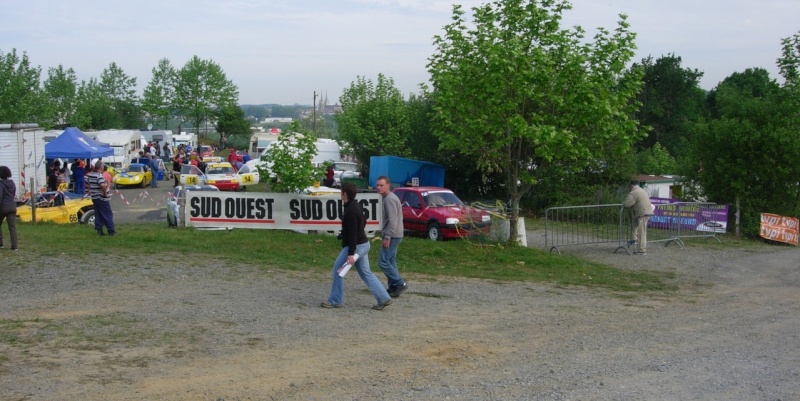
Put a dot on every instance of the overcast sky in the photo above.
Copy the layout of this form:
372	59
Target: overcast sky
282	51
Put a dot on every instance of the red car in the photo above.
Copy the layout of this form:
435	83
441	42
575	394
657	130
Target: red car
439	214
205	151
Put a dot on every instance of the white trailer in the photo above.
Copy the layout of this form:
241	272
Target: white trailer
22	150
158	138
124	143
184	138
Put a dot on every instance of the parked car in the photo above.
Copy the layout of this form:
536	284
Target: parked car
205	151
58	207
439	213
219	174
177	202
344	170
134	174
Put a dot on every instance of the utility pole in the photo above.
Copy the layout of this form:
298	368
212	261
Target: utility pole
314	115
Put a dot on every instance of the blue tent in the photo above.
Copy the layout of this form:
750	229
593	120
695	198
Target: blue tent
74	144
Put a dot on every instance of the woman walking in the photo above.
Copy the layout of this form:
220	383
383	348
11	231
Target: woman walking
8	206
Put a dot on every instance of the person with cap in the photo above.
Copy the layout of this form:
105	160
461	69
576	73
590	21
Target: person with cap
641	209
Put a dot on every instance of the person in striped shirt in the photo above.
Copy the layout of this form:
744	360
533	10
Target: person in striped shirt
99	189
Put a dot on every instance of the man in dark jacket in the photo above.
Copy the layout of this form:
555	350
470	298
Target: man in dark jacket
8	206
355	252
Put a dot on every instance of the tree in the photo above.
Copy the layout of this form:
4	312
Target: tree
373	120
202	89
672	102
94	110
20	94
290	161
231	122
656	160
748	155
160	92
120	90
522	96
61	91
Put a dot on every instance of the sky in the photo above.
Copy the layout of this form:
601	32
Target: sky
283	51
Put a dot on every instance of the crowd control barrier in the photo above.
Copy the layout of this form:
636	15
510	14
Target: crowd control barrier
613	225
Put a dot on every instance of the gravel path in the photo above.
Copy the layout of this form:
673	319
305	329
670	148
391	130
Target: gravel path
121	331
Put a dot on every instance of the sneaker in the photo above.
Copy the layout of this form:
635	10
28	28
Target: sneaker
398	290
640	253
2	246
14	249
631	242
383	305
330	306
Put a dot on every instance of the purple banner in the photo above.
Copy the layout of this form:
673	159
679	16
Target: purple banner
672	213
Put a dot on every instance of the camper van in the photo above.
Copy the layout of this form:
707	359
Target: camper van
260	141
124	143
184	138
158	138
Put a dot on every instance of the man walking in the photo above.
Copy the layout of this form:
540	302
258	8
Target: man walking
642	209
97	187
392	236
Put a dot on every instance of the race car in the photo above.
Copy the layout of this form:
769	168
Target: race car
134	174
220	175
58	207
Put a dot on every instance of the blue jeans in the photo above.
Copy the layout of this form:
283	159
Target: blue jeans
387	261
362	266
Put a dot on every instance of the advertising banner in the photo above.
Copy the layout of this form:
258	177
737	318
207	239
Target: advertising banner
706	217
779	228
275	210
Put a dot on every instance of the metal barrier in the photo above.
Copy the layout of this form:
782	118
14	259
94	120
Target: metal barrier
612	224
583	225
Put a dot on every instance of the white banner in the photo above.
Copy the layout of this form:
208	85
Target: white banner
264	210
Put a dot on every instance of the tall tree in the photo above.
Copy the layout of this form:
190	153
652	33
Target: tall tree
748	155
290	161
94	110
201	90
160	93
518	94
672	102
20	94
120	89
373	120
231	121
61	91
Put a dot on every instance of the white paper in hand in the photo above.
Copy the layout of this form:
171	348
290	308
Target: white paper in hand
346	266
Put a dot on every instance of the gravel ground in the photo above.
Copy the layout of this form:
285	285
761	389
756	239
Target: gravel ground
127	330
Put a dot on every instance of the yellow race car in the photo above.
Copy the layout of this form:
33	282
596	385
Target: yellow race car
135	174
58	207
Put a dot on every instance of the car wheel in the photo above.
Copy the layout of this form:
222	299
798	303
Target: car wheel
435	232
144	184
88	218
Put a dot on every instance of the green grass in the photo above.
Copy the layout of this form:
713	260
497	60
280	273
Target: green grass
270	249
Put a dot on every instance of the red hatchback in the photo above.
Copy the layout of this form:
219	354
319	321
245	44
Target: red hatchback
439	214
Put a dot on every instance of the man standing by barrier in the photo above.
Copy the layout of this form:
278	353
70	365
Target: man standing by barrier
98	188
641	208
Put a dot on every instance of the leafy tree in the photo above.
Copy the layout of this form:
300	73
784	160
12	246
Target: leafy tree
120	90
671	102
20	95
94	110
202	90
522	96
789	62
231	121
61	91
657	160
290	161
748	155
160	92
373	120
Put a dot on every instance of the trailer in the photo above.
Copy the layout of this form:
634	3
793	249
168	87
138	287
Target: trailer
158	138
22	150
124	142
184	138
405	172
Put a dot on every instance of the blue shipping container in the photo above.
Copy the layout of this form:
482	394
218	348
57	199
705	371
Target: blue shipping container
400	171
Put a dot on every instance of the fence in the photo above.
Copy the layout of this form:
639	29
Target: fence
613	225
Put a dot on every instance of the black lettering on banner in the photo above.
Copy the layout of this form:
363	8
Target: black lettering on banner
269	203
259	208
311	209
216	207
370	207
194	207
333	209
294	206
230	207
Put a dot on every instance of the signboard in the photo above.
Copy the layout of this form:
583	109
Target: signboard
275	210
672	213
779	228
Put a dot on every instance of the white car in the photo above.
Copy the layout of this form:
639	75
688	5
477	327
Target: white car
177	201
344	170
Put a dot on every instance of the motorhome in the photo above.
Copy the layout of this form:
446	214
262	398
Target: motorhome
184	138
158	138
124	142
260	141
22	150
